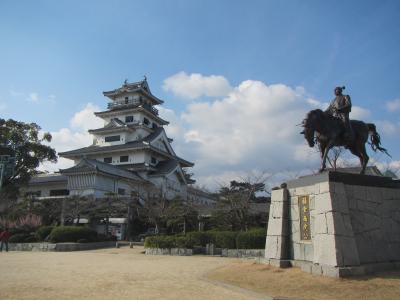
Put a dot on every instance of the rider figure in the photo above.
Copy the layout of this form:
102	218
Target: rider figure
340	108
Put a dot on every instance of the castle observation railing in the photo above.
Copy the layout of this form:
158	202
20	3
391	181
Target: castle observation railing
132	103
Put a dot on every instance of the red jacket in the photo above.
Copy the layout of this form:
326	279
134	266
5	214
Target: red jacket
4	236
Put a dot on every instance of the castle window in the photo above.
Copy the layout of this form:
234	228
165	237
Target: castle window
121	191
123	158
112	138
108	160
146	121
128	119
153	160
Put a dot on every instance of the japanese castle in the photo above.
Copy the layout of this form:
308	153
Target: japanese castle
130	154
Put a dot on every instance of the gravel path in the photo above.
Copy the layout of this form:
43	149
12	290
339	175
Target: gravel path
122	273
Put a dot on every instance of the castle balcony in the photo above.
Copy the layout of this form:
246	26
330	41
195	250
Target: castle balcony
151	109
124	104
132	103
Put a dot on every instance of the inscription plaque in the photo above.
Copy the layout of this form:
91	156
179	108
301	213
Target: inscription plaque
304	208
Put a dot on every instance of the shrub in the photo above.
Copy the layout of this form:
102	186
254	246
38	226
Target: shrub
252	239
21	230
82	241
160	241
31	239
183	242
199	238
225	239
72	234
43	232
18	238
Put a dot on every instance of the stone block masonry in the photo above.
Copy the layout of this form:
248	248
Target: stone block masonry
60	247
354	221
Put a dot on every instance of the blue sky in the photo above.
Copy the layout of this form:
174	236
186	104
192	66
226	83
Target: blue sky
58	56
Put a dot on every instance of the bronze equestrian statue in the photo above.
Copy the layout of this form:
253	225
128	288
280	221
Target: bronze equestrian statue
333	127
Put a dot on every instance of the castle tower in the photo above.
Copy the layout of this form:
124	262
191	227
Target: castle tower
131	150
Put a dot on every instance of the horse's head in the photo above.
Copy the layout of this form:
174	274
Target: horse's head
310	125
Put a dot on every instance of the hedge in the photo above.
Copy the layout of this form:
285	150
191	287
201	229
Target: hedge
64	234
160	241
31	239
23	238
225	239
19	237
252	239
200	238
43	232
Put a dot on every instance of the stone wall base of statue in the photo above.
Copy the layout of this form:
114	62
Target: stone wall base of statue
335	224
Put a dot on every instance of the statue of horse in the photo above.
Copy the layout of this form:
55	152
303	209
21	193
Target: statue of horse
328	132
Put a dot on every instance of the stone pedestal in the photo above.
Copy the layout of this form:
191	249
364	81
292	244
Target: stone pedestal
335	224
276	247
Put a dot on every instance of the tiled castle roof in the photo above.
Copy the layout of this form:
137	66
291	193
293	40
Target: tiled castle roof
140	86
135	145
92	165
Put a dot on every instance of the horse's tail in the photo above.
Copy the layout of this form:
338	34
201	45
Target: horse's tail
375	140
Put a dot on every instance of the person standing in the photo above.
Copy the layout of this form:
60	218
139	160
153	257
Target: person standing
4	237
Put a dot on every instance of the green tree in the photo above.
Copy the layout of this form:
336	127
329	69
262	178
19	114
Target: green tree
181	215
233	206
24	141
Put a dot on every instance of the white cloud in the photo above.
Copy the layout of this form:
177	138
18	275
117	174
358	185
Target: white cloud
15	93
33	97
196	85
359	113
392	165
388	128
85	119
253	127
393	105
317	104
75	137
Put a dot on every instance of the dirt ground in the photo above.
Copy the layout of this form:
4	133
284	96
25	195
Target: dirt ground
126	273
122	273
295	284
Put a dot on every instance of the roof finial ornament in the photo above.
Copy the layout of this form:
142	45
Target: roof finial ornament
126	82
145	78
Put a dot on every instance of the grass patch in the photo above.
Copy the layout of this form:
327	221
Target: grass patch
293	283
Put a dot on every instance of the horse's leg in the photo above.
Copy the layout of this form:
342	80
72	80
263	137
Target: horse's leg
360	151
324	153
365	158
322	147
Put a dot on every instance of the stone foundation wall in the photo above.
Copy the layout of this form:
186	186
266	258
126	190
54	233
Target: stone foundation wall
32	247
354	223
61	247
243	253
169	251
375	219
